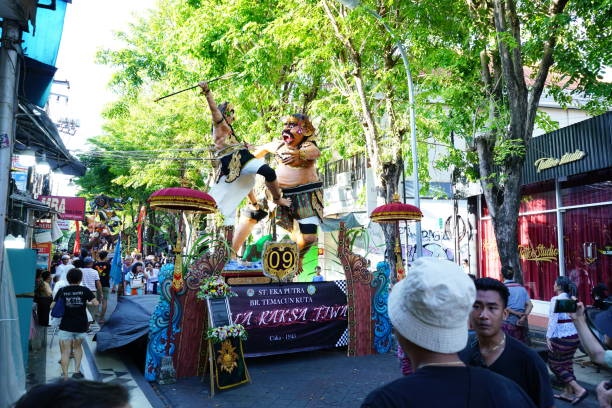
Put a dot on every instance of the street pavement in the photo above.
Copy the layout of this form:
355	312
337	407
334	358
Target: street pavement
314	379
309	379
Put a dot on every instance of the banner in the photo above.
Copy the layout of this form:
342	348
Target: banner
141	218
228	360
291	317
69	208
43	255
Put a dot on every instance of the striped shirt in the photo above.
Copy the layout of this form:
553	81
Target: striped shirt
90	276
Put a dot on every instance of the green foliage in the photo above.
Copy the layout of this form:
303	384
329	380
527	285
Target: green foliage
292	60
508	149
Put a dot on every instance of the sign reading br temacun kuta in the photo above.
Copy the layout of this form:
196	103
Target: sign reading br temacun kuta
291	317
544	163
69	208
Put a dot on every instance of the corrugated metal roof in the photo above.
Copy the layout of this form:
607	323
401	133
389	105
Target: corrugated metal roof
592	136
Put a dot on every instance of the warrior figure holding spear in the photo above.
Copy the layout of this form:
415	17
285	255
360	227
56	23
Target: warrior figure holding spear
237	167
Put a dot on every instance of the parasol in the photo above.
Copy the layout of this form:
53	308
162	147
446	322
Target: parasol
181	199
177	199
394	212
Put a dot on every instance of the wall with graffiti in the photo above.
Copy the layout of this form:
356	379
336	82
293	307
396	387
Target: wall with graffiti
437	232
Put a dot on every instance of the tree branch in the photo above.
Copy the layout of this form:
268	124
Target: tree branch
348	44
517	59
499	15
547	60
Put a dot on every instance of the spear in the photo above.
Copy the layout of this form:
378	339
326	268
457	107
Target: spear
226	76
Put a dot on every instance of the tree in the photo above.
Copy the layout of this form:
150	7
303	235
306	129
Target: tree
288	60
523	47
482	67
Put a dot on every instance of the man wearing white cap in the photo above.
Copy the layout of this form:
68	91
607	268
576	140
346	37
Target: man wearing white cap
62	269
429	311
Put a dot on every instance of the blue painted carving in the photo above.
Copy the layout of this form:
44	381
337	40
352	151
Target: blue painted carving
158	325
382	324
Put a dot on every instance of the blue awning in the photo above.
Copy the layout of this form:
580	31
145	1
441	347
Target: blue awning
35	83
41	47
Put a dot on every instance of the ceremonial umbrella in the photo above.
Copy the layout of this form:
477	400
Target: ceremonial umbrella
181	199
392	213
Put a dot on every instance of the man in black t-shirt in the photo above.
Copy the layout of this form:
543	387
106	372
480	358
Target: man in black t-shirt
429	311
73	327
103	267
502	354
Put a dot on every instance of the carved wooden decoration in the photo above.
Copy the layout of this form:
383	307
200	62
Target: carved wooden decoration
359	298
193	323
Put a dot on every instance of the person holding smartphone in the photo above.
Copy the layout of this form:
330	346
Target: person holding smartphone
596	352
562	340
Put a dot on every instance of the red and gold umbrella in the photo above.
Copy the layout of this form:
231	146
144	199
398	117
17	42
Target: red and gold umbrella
394	212
176	199
181	199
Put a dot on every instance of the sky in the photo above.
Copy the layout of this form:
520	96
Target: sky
88	27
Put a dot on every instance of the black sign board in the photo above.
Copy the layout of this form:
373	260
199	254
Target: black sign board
579	148
219	312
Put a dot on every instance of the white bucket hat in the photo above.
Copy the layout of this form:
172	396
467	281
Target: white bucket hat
430	307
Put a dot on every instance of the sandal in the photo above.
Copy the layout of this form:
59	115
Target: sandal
580	398
563	397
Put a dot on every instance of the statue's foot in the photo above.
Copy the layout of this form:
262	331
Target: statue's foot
283	202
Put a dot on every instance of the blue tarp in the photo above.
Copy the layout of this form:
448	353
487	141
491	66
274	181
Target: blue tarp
42	46
128	323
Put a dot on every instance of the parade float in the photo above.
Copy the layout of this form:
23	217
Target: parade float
214	310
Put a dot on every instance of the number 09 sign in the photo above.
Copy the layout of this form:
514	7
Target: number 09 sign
280	260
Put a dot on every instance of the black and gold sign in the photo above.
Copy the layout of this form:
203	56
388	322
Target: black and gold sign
280	260
228	360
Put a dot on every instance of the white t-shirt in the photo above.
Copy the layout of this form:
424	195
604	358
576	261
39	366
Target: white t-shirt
90	276
61	270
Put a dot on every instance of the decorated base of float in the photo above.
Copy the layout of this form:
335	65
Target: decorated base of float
213	314
189	326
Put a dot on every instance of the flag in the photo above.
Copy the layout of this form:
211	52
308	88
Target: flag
141	218
116	265
77	241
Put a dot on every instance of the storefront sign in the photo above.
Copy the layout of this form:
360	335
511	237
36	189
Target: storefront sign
539	253
69	208
290	317
544	163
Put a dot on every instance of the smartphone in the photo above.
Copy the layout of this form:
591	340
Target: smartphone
566	306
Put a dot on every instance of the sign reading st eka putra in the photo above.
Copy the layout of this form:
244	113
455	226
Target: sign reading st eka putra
544	163
280	260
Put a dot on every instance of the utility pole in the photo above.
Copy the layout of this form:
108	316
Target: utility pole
9	71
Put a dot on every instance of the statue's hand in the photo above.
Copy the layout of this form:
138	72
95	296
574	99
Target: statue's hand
290	156
204	86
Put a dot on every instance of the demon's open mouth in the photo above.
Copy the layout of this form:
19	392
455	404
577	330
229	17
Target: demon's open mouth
288	137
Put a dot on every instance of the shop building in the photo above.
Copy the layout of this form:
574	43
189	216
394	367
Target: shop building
565	218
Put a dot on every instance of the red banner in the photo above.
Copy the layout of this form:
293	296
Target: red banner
141	217
69	208
77	239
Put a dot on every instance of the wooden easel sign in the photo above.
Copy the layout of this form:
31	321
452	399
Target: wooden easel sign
225	355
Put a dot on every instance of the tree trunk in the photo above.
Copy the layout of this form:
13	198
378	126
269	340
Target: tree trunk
505	224
388	180
150	233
